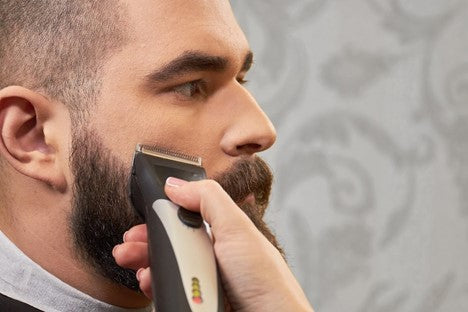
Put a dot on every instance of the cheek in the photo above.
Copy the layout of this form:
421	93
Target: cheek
122	129
190	129
194	129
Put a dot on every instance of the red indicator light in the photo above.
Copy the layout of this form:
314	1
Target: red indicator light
197	300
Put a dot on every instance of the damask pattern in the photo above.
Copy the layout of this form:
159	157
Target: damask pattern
370	101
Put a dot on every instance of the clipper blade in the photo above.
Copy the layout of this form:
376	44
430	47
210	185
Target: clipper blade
167	154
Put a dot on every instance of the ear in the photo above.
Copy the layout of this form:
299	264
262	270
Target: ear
24	142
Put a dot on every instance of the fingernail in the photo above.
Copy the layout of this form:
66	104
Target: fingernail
114	250
125	236
138	274
174	182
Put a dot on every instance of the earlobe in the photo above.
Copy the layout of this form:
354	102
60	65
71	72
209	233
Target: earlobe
24	114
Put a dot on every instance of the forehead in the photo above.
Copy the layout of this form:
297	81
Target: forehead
166	28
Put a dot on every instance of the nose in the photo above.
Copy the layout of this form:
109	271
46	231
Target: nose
250	130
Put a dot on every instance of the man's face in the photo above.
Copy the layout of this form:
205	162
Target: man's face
175	85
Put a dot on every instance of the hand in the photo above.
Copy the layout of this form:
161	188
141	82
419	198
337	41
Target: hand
255	276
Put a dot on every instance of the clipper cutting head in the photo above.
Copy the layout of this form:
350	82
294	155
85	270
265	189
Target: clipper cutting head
167	154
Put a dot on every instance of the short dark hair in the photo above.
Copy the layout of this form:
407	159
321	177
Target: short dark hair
57	46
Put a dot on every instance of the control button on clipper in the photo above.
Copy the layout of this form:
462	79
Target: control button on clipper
190	218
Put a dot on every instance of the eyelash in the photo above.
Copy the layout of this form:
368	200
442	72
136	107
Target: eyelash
197	88
242	81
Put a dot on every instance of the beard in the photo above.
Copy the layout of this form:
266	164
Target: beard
102	212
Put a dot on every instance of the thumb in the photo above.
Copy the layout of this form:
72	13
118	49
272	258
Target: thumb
208	197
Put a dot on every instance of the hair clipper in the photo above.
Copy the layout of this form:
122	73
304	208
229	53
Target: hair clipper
183	266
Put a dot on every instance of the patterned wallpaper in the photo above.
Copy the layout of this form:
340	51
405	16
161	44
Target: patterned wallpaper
370	101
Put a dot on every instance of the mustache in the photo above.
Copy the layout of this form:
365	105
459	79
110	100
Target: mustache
248	176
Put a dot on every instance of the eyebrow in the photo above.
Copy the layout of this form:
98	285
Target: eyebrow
194	61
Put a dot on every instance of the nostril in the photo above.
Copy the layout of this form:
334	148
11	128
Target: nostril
249	148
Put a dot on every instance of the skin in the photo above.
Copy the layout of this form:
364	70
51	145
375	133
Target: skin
221	127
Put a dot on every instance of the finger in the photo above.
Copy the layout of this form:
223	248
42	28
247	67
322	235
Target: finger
133	255
208	197
138	233
143	276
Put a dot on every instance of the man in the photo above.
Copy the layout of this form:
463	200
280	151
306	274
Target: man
81	83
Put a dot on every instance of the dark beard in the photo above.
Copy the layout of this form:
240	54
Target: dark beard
102	211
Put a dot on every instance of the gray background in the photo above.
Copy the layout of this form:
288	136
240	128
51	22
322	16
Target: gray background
370	100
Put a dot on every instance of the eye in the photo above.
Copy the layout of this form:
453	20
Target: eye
191	89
